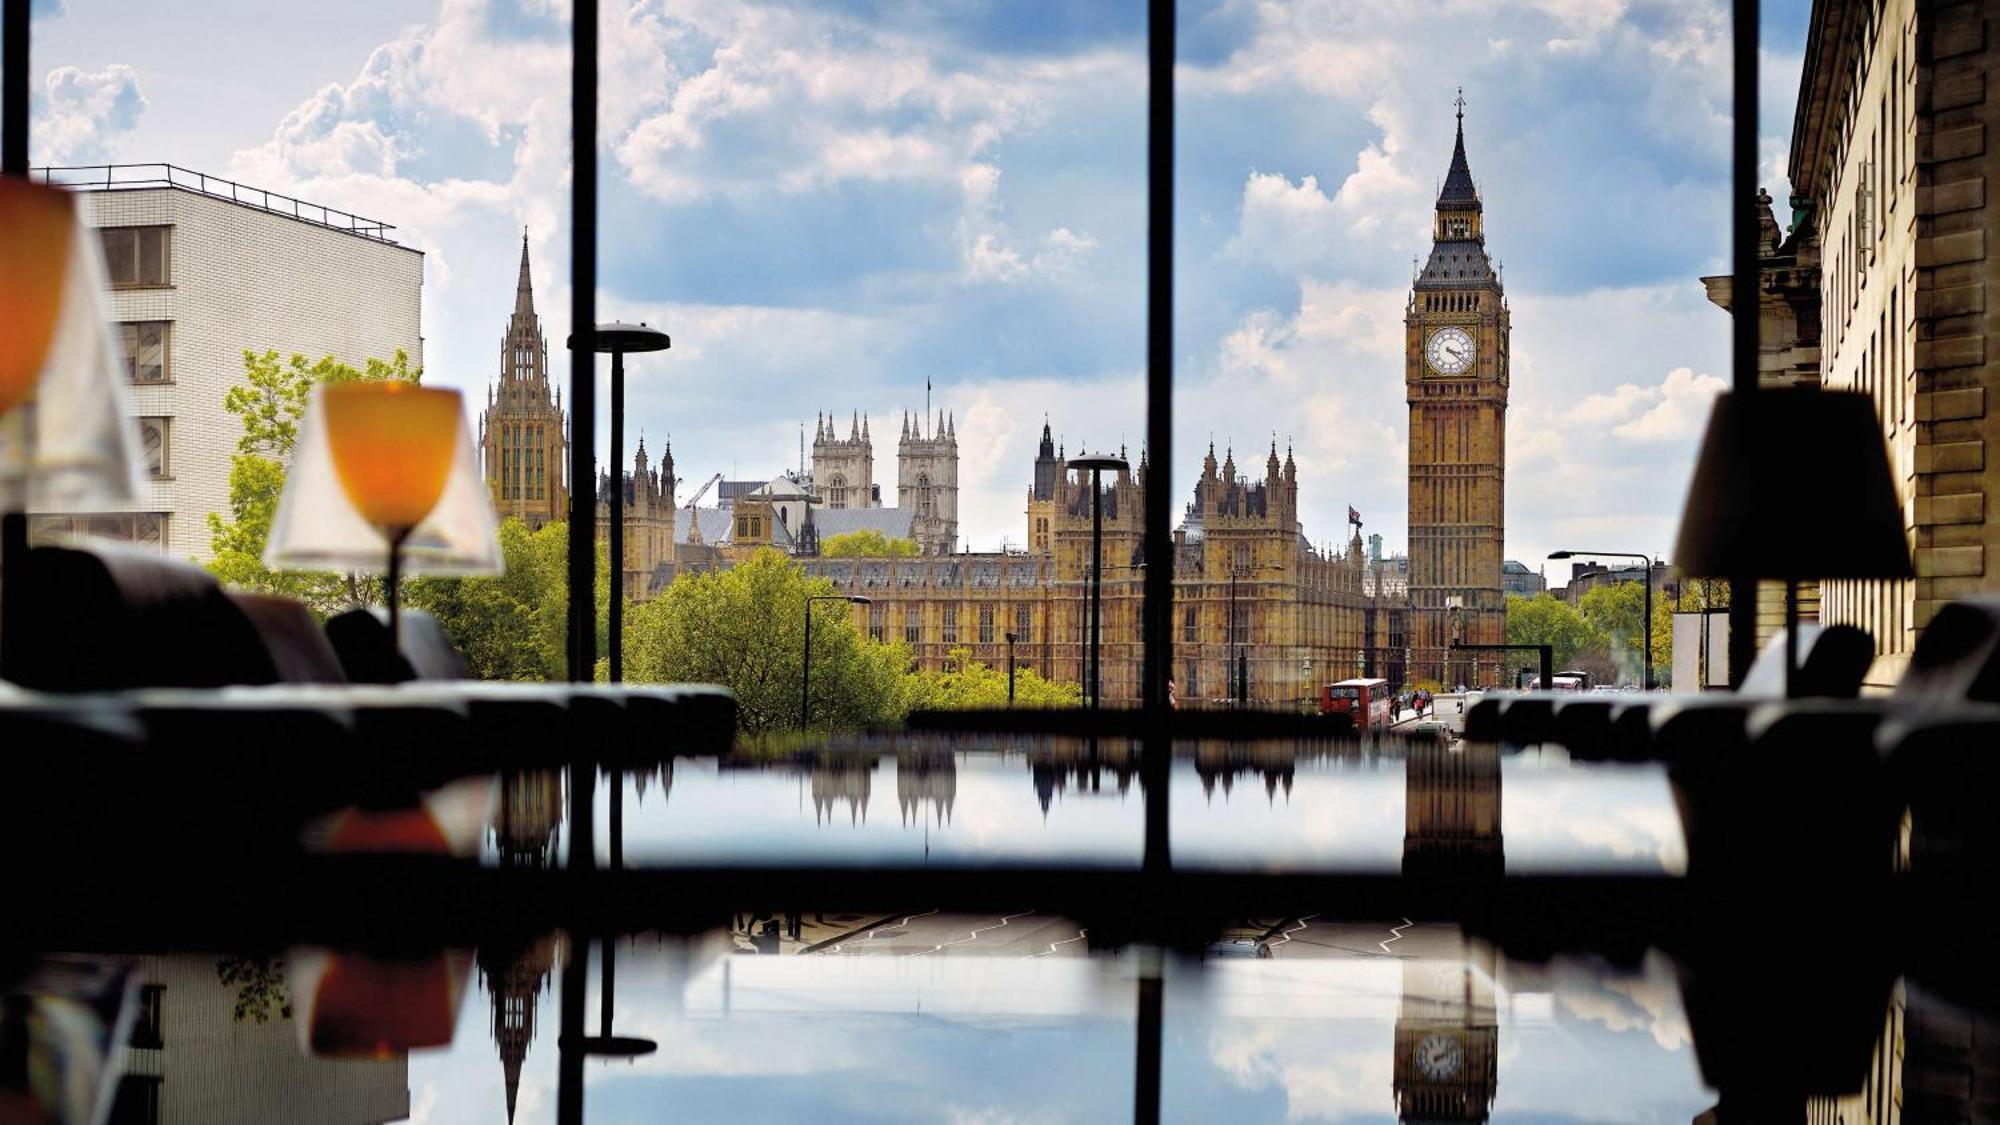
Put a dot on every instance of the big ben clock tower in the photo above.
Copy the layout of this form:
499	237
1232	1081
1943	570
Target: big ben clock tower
1456	378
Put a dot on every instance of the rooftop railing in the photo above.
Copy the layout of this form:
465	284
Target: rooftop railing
132	177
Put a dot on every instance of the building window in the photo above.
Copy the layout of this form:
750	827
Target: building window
1239	631
986	624
877	615
146	1023
137	1101
950	625
135	257
913	625
1188	623
1024	618
144	344
1191	689
154	445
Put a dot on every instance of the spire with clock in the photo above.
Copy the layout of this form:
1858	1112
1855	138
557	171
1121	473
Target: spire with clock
1455	375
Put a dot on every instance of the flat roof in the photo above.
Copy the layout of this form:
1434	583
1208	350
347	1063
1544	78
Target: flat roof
138	177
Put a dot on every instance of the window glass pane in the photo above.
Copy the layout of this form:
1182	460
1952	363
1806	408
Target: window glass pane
153	256
153	448
145	346
1419	342
121	255
278	234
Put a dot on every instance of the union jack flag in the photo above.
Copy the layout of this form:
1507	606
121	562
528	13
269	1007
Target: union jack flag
1353	516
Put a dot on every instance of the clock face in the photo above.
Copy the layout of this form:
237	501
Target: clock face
1450	351
1438	1057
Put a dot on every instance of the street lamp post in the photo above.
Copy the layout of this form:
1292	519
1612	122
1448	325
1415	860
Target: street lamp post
806	667
1010	669
1097	465
1645	658
616	339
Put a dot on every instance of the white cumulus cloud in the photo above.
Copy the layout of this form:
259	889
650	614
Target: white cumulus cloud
84	116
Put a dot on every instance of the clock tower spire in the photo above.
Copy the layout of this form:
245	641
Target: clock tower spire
1455	379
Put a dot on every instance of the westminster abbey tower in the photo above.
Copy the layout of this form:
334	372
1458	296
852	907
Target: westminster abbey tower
1456	378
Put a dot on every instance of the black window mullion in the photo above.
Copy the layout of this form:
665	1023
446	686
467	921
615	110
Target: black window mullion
1744	309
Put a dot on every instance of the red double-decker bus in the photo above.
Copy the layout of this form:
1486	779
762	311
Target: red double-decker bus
1366	702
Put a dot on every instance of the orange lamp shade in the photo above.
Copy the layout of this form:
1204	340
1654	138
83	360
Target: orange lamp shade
392	445
35	236
369	1009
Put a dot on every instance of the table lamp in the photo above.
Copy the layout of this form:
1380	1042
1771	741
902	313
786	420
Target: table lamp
67	441
1793	484
385	481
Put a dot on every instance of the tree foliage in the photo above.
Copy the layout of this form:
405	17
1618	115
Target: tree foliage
867	543
744	628
270	402
1544	620
514	626
967	683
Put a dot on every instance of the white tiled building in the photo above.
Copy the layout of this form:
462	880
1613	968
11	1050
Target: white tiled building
202	270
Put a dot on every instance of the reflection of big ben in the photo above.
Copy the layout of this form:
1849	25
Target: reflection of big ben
1447	1067
1451	815
1456	378
1447	1039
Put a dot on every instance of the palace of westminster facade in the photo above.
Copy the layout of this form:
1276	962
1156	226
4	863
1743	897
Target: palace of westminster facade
1260	613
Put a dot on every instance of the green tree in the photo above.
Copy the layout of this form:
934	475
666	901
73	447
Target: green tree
1617	613
744	628
1694	596
967	683
1543	620
270	402
867	543
514	626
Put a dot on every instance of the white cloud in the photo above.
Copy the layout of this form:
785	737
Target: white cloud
1671	410
85	117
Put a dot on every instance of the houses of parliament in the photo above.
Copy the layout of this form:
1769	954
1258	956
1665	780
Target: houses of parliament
1261	614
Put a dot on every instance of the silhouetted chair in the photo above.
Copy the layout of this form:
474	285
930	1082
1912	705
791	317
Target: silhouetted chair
107	617
292	636
360	638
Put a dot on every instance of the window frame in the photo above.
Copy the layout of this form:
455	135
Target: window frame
131	353
138	232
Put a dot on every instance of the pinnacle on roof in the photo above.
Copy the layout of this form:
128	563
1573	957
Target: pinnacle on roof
524	288
1458	190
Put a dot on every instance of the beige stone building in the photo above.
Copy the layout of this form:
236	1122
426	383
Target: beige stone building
523	434
1258	611
202	270
1891	154
1456	376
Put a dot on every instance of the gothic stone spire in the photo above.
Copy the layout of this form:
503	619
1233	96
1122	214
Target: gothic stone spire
524	287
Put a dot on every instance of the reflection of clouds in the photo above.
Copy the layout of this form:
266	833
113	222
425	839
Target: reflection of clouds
1317	1081
735	815
1648	1002
1598	817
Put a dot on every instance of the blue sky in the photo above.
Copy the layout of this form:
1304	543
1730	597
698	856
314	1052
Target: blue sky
827	203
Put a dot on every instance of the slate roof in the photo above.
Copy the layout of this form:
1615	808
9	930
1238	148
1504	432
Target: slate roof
1458	191
891	522
716	524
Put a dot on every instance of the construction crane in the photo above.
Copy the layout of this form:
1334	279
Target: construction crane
701	492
